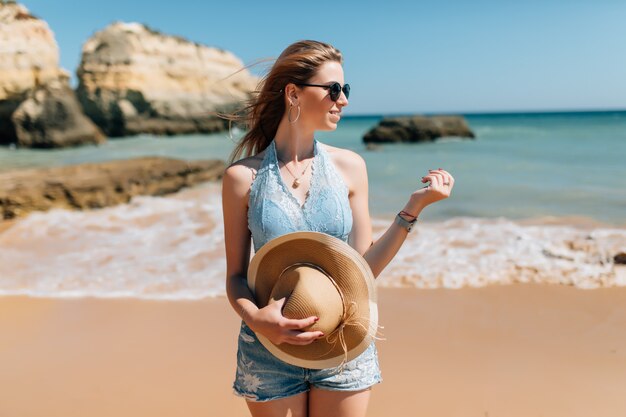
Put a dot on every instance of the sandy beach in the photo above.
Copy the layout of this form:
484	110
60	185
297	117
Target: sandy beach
512	350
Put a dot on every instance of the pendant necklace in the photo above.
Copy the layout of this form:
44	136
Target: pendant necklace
296	181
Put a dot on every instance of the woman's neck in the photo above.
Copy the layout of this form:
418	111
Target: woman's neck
294	145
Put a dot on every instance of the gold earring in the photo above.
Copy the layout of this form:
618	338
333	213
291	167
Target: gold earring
289	114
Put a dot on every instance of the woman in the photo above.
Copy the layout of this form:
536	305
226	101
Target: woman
290	181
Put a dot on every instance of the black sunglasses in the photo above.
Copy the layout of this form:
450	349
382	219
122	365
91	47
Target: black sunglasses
334	88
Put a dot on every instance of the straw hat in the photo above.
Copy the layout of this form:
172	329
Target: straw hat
321	276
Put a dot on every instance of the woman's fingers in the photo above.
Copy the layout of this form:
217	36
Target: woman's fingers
439	174
447	176
435	180
299	323
427	178
439	178
303	338
295	336
443	171
291	323
440	186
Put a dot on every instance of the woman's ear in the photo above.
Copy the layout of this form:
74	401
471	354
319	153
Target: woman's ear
292	93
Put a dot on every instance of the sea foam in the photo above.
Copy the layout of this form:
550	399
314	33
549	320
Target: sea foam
172	247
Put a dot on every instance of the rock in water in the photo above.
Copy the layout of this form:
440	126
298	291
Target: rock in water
417	129
37	106
133	79
102	184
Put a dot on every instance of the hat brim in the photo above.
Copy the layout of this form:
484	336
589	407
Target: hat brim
351	273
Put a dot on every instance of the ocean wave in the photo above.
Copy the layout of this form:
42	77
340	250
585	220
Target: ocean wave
172	248
475	252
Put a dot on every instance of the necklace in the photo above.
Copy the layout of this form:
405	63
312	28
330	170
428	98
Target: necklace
296	180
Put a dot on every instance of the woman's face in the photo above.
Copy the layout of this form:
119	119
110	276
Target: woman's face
315	103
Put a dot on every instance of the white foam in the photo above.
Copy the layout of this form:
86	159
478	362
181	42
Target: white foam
172	248
153	247
475	252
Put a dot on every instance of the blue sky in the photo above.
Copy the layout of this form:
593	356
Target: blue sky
402	56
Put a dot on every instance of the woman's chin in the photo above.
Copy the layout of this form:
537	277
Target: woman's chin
327	126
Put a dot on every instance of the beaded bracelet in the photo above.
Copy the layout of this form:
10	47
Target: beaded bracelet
407	214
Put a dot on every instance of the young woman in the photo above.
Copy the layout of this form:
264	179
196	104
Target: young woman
289	181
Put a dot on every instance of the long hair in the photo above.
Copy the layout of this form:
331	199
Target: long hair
265	108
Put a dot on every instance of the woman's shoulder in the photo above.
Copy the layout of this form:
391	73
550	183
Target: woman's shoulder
241	173
350	164
345	159
253	162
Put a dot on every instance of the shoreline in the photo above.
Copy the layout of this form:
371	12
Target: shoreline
381	219
172	248
514	350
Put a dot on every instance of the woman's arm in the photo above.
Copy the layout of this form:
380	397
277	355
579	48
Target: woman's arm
269	320
237	240
381	252
378	254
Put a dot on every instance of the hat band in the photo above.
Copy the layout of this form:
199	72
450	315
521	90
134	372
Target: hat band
343	300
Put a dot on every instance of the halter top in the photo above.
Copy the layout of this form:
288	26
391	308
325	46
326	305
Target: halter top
274	211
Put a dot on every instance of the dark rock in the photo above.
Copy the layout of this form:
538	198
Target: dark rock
51	117
417	129
620	258
7	129
96	185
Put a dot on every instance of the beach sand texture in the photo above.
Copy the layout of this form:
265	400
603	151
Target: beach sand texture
501	350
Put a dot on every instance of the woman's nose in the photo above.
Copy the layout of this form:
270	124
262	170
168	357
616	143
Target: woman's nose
343	99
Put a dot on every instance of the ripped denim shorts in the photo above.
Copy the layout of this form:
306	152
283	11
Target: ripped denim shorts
261	376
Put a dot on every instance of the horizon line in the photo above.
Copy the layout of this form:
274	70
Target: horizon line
491	112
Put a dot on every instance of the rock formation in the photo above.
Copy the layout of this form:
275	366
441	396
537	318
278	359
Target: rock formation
95	185
51	117
417	129
37	106
133	79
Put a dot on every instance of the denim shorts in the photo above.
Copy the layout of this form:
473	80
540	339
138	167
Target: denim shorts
261	376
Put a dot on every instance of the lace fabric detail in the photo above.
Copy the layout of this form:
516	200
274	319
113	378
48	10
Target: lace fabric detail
313	180
273	210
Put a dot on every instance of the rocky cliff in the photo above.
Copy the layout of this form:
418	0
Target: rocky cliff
29	56
133	79
34	90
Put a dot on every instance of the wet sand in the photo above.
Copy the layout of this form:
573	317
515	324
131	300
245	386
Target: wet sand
515	350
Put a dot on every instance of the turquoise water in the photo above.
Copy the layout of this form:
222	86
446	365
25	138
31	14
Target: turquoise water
519	166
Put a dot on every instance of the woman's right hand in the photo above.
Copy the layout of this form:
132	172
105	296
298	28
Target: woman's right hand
270	322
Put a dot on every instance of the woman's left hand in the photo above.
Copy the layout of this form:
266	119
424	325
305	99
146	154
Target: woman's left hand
440	187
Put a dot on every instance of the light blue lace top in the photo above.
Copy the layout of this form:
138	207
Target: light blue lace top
273	210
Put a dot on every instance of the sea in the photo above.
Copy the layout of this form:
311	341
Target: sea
538	197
